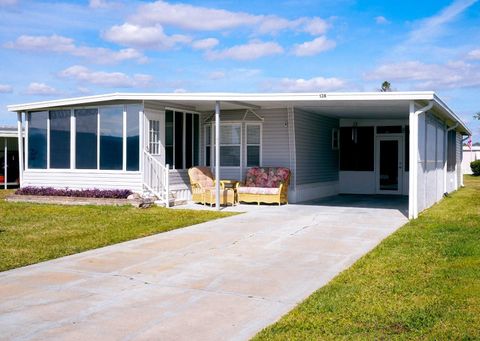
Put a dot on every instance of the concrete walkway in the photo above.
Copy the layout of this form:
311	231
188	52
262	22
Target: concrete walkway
221	280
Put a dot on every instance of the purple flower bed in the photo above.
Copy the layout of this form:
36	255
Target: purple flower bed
83	193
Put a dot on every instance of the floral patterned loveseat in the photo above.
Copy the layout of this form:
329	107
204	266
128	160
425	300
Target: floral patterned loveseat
265	184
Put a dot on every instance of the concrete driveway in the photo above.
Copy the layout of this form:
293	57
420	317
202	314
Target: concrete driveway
221	280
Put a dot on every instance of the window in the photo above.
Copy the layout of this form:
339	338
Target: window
230	139
37	139
389	129
451	150
133	137
111	137
86	138
154	137
60	138
178	138
169	135
357	148
208	145
253	144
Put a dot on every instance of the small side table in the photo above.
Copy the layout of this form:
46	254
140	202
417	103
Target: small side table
231	184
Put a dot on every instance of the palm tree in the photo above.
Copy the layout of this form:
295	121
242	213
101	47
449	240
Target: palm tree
386	87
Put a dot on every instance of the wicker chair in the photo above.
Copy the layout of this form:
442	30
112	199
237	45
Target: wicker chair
203	187
265	184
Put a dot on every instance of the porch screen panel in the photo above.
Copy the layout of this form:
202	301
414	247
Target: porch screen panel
188	140
169	134
208	142
133	137
230	139
37	140
60	138
111	138
86	138
196	140
357	149
178	150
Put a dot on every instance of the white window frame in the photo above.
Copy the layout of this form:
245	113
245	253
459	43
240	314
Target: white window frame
73	137
260	145
154	145
212	143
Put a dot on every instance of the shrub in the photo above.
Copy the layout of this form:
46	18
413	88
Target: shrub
475	166
84	193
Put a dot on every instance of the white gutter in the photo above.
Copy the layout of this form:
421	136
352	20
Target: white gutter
413	172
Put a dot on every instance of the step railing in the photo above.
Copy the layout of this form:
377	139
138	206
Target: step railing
155	178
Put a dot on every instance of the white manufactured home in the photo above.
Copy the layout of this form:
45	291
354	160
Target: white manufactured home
396	143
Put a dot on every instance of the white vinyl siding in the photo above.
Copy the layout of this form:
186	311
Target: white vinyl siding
317	161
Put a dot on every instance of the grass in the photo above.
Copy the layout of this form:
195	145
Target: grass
423	282
31	233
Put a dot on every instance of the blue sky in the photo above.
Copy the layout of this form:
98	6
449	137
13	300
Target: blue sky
55	49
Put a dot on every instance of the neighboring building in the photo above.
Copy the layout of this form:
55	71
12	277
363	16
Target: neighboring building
9	167
402	143
469	155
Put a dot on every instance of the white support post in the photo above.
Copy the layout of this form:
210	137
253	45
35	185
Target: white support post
217	155
413	160
5	163
20	146
124	139
73	141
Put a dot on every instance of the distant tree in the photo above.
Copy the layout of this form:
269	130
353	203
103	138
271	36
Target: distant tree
386	87
477	116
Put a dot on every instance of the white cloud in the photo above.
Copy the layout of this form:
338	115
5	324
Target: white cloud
316	84
205	44
216	75
5	89
180	91
458	74
8	2
474	54
61	44
249	51
381	20
316	46
314	26
191	17
198	18
106	79
151	36
41	89
434	26
101	4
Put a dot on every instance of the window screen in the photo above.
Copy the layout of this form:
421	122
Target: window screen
111	138
357	149
253	145
37	139
60	138
86	138
133	137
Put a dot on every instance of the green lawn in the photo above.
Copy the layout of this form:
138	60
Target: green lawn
423	282
31	233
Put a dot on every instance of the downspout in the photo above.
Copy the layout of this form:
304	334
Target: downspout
445	153
413	176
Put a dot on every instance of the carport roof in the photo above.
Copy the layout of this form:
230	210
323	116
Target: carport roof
341	104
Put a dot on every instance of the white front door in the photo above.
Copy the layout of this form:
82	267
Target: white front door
389	164
155	133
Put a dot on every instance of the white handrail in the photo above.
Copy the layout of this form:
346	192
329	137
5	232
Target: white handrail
155	177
